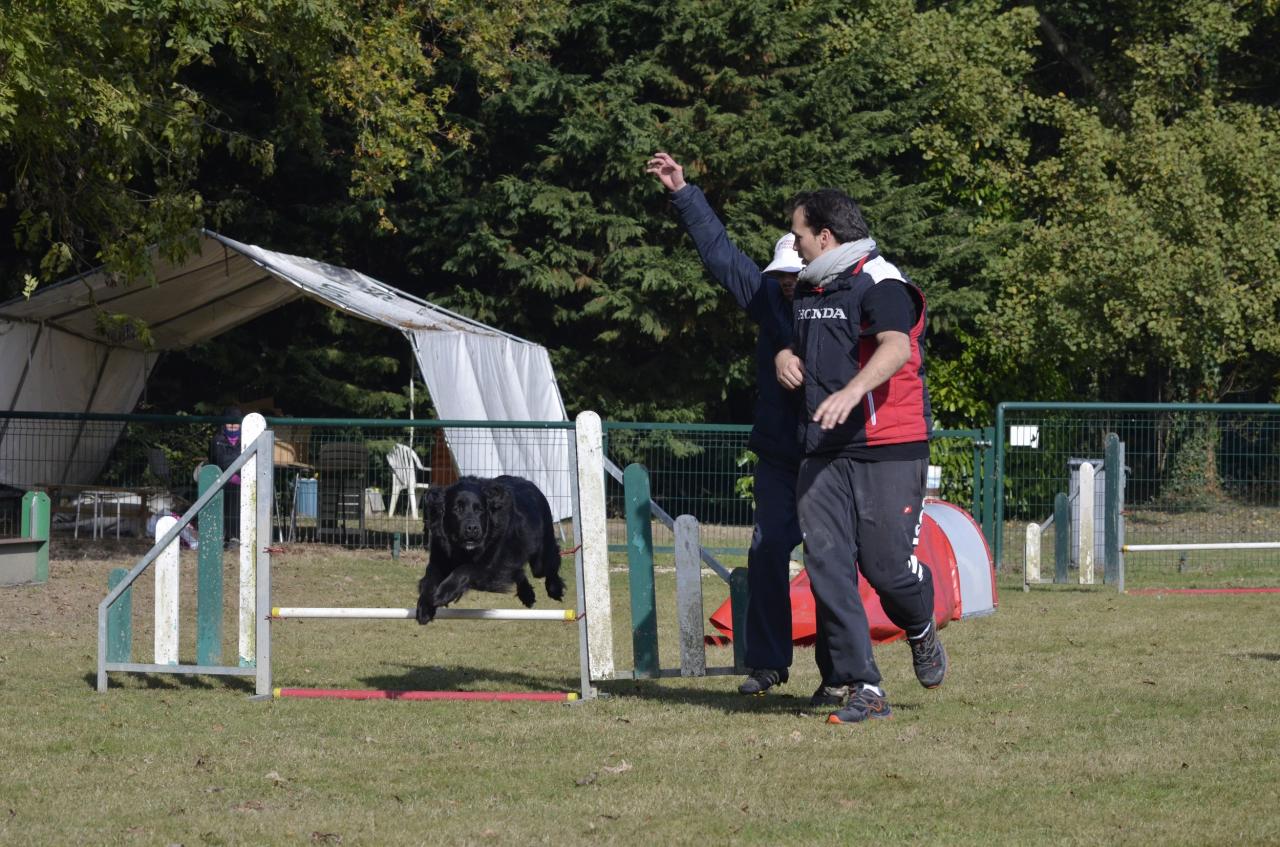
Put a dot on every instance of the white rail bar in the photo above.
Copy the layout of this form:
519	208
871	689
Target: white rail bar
386	613
1237	545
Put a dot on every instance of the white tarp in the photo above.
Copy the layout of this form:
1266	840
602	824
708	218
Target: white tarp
57	358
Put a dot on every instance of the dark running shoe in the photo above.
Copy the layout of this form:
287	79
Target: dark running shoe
929	658
830	695
762	679
864	704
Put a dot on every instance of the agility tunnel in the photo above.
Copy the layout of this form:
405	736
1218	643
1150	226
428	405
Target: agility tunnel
964	580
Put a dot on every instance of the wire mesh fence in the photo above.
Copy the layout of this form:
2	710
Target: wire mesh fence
1193	474
360	482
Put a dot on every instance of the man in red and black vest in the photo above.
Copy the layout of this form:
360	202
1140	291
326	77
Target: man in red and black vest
858	357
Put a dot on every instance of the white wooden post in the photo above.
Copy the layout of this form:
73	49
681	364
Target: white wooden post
1085	553
1031	569
693	650
166	599
595	545
252	426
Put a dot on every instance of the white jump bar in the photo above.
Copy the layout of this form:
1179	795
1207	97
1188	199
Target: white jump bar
1237	545
410	614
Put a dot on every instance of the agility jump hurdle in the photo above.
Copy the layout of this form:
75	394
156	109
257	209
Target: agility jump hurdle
256	613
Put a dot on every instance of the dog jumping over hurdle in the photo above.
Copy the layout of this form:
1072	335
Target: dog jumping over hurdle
482	533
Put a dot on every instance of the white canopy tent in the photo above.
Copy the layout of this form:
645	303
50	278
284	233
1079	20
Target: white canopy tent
58	358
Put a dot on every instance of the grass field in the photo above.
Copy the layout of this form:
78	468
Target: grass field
1071	716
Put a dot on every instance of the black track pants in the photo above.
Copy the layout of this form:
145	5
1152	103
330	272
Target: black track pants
768	635
869	513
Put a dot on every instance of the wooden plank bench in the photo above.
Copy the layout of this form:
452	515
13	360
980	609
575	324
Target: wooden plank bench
18	558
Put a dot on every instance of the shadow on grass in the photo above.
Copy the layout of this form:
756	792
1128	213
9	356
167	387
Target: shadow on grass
729	702
174	682
459	678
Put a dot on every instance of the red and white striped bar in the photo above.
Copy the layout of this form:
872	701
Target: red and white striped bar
377	694
386	613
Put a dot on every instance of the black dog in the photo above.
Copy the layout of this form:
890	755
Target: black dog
482	532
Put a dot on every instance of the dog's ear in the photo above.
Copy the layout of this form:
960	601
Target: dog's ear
497	497
433	505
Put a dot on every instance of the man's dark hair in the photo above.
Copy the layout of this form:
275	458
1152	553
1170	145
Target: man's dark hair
831	208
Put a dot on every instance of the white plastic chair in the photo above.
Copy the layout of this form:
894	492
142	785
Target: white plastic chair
405	465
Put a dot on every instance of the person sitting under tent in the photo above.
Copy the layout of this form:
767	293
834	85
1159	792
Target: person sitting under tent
223	450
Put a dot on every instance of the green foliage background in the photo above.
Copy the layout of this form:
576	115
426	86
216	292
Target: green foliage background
1088	192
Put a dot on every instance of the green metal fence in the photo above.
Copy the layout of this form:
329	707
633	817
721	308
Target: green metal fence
1193	473
706	471
345	481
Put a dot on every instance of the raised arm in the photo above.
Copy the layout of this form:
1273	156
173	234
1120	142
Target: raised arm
728	265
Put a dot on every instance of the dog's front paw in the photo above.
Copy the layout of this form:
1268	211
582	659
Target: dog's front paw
524	591
425	612
555	587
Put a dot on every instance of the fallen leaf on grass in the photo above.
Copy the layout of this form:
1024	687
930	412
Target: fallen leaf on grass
621	767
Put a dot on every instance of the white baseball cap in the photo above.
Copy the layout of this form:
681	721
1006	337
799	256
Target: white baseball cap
785	257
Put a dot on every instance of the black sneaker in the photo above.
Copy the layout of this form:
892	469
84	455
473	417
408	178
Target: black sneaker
830	695
929	658
762	679
864	704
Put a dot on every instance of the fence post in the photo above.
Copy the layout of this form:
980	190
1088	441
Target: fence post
35	524
166	596
120	620
989	485
739	596
1031	557
1061	536
998	551
251	537
595	544
209	573
644	609
1085	548
1111	510
693	645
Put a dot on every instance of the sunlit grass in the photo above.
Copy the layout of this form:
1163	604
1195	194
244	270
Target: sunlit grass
1070	716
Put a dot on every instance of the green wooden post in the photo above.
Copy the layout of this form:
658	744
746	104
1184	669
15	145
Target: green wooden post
1061	536
989	485
644	609
120	620
209	574
35	524
739	596
1111	510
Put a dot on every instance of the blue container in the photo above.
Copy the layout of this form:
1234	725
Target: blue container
305	507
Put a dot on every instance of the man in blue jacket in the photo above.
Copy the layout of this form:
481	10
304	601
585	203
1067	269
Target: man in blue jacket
765	296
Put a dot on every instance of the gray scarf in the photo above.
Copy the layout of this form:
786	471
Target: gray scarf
831	263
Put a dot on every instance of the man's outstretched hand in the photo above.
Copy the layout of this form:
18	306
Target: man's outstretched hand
668	171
